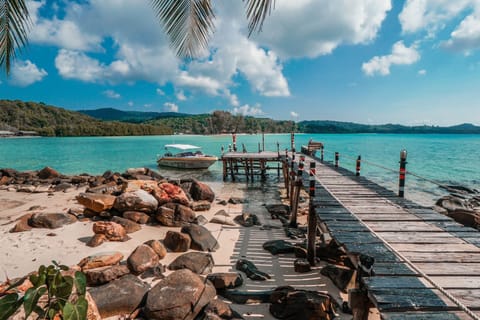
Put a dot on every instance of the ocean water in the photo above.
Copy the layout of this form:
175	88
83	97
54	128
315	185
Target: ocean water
436	158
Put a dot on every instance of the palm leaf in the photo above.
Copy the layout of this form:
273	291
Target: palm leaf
257	11
188	23
14	24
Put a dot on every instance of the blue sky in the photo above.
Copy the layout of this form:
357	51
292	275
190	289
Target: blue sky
369	61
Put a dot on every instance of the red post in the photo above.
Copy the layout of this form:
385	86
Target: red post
402	173
359	160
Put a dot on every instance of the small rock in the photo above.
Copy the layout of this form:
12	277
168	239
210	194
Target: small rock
112	231
222	202
22	223
341	276
48	173
198	262
177	242
218	309
100	260
202	239
96	202
222	213
175	215
42	188
201	191
301	265
139	200
158	247
225	280
278	246
107	188
134	185
136	216
102	275
63	187
51	220
251	270
97	240
236	200
130	226
201	220
247	220
142	258
202	205
223	221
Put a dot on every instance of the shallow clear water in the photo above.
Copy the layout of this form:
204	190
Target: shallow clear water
446	159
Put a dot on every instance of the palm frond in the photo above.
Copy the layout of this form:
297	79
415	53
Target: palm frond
188	24
14	24
257	11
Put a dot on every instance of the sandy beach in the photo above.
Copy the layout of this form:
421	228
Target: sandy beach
23	252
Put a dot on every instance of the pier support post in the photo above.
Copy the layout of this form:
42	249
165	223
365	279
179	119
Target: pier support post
321	154
337	157
357	169
402	173
292	176
312	218
296	195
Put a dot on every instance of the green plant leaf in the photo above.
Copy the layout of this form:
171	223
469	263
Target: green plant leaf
63	267
16	283
31	299
9	304
51	313
77	311
64	289
80	282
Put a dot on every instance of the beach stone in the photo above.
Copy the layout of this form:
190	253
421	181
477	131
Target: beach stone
136	171
97	240
181	295
451	203
79	179
158	247
222	213
9	172
26	188
341	276
51	220
174	215
251	270
130	226
278	246
142	258
48	173
134	185
236	200
106	188
468	218
103	259
222	202
42	188
290	304
139	200
202	239
92	311
22	223
201	191
112	231
168	192
198	262
222	220
301	265
63	187
5	180
201	220
119	297
177	242
202	205
278	209
218	310
225	280
136	216
102	275
96	202
247	220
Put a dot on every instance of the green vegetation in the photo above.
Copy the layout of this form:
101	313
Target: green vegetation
110	114
52	121
59	299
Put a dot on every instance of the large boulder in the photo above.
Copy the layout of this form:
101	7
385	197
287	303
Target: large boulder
181	295
198	262
177	242
142	259
119	297
111	230
175	215
139	200
96	202
100	260
102	275
201	191
48	173
202	239
168	192
51	220
134	185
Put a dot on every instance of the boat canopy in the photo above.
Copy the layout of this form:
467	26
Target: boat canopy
181	146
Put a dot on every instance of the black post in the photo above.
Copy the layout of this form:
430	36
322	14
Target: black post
321	154
403	171
296	195
292	176
337	156
359	160
312	218
263	140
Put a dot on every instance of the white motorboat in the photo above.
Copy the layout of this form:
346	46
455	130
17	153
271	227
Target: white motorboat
185	156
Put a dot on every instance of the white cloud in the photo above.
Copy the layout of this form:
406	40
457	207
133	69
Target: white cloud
293	114
181	96
401	55
25	73
247	110
171	107
160	92
112	94
466	37
77	65
130	103
422	72
147	105
233	99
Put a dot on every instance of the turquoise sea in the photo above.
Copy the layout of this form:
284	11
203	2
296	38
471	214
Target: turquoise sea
444	159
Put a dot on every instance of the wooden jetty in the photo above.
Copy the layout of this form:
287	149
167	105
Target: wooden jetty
427	266
250	164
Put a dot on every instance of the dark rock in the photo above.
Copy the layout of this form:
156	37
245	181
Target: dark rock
290	304
247	220
201	220
175	215
452	203
48	173
22	223
97	240
340	276
300	252
100	260
139	200
181	295
225	280
158	247
222	202
8	172
136	216
177	242
198	262
80	179
278	209
201	191
236	200
107	188
468	218
251	270
246	297
63	187
142	258
460	189
119	297
129	225
301	265
202	239
4	181
96	202
278	246
51	220
218	309
202	205
102	275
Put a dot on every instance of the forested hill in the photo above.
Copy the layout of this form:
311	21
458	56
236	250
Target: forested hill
52	121
111	114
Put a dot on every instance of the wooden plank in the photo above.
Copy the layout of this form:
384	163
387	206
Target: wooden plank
385	282
393	269
434	247
454	257
415	237
449	268
386	217
469	297
422	315
355	237
376	250
403	226
457	282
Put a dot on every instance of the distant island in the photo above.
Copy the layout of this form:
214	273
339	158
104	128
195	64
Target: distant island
31	118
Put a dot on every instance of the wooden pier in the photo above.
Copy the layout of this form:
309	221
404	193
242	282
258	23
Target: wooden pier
250	164
427	266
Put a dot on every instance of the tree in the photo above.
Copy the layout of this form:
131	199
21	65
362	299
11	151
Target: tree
188	23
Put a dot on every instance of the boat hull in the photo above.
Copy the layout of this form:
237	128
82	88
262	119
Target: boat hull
187	163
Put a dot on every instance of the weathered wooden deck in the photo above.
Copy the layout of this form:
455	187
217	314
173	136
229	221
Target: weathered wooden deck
427	266
250	164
